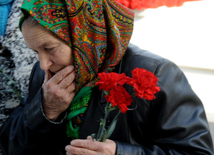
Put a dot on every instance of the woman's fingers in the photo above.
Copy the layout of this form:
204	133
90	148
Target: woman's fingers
58	91
78	151
68	80
89	138
62	74
84	144
71	87
88	146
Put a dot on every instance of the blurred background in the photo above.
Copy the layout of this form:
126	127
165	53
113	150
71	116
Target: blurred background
184	35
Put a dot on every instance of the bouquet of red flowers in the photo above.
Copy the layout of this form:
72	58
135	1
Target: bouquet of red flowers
144	84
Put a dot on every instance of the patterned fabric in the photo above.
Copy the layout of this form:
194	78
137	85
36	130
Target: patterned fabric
77	112
97	30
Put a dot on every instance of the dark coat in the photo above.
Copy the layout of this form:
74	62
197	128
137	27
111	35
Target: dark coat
173	123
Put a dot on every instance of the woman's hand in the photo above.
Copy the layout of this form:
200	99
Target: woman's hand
58	92
91	147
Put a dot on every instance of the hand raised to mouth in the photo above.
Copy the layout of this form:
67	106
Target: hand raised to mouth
58	91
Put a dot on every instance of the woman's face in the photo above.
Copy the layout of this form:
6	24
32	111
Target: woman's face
53	53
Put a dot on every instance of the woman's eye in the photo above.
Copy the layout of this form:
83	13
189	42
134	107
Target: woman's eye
49	49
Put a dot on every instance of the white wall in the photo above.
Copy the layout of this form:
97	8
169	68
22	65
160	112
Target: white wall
184	35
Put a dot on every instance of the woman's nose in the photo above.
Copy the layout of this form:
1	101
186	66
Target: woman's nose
45	61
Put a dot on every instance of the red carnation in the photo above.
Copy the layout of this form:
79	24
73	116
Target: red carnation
119	97
144	83
109	81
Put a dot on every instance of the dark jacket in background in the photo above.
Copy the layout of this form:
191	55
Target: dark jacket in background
174	123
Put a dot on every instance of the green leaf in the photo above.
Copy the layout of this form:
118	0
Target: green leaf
112	126
133	108
111	129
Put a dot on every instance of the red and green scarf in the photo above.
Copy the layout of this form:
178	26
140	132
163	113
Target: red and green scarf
98	31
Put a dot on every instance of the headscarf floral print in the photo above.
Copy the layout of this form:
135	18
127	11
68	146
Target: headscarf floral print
98	31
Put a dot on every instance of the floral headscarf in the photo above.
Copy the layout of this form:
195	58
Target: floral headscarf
98	31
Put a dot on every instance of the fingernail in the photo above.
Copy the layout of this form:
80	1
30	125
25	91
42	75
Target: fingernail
72	142
66	148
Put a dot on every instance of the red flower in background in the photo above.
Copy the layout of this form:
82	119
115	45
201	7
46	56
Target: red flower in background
146	4
144	83
119	97
109	81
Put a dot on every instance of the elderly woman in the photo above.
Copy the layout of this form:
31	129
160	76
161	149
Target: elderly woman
75	40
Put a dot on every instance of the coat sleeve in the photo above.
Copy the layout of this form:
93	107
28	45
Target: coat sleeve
177	120
26	125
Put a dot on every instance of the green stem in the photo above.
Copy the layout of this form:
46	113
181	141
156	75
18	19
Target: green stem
133	95
103	123
110	129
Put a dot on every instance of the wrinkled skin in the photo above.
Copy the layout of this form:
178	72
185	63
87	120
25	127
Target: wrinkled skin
91	147
56	59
